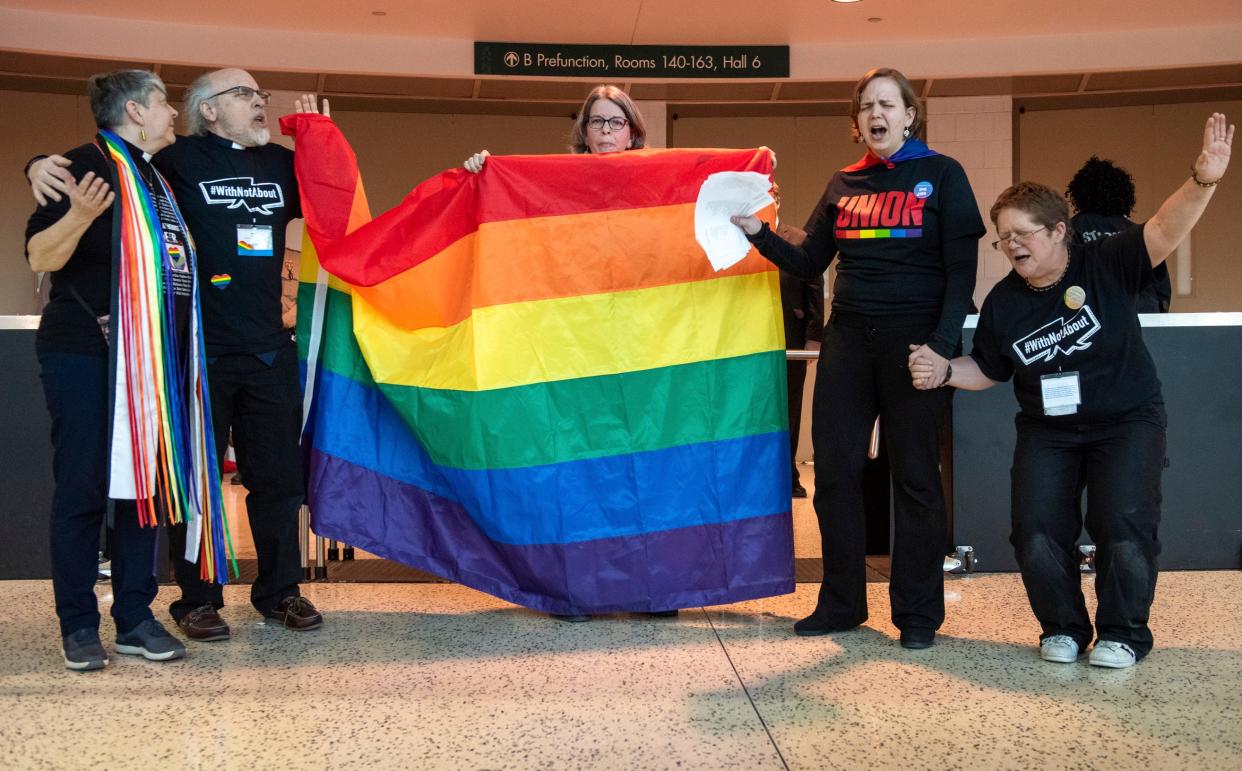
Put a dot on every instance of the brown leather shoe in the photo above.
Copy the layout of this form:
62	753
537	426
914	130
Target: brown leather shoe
297	613
204	625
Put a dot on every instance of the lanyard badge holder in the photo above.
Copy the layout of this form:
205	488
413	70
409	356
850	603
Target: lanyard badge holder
254	241
1062	393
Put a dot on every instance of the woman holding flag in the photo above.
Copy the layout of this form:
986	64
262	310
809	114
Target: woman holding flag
905	225
608	122
120	357
517	334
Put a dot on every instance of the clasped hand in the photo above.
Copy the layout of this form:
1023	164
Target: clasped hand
928	369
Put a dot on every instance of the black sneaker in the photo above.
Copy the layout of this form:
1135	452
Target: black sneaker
83	651
917	638
151	641
819	623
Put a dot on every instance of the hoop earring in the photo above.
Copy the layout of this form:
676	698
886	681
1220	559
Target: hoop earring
142	134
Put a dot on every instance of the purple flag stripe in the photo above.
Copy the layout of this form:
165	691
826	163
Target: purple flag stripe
680	568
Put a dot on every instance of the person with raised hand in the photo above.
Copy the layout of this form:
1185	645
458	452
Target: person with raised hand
1063	326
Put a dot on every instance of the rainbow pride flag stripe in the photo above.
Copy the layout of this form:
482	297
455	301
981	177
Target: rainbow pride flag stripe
162	448
880	233
531	382
246	249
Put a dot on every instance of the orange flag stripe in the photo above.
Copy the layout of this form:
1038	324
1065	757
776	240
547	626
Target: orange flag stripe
544	258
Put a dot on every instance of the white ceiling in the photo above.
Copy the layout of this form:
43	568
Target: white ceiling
433	37
670	21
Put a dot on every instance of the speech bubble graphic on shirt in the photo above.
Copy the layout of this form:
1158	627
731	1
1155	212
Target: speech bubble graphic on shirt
244	192
1059	336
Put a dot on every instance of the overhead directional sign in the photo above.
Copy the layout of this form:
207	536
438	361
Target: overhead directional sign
625	62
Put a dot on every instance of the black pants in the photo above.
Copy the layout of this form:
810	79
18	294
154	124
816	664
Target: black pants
1121	463
263	405
863	373
76	387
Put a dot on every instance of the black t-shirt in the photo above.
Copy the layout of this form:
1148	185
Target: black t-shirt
1026	334
67	326
907	238
237	202
1157	294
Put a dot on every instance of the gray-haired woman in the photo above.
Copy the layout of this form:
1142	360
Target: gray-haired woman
73	239
1063	325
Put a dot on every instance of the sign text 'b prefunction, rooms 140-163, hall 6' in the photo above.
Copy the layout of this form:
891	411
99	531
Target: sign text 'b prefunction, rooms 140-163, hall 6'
628	62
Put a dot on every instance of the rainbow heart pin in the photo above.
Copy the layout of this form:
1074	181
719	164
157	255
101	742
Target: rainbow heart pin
221	280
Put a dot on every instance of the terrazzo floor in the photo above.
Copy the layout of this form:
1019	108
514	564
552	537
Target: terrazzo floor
439	676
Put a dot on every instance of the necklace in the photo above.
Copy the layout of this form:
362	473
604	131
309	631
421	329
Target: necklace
1064	270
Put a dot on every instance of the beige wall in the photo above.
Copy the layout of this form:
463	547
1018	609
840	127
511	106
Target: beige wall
396	151
1157	145
977	131
29	124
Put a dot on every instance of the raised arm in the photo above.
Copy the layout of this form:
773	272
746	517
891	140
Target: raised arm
309	103
1180	211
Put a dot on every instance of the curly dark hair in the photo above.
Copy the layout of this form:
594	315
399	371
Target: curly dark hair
1102	187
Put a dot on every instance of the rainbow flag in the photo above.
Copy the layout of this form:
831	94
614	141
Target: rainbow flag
530	381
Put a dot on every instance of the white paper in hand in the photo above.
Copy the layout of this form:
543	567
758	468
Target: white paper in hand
723	195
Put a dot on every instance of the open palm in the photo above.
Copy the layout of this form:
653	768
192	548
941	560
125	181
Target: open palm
1217	146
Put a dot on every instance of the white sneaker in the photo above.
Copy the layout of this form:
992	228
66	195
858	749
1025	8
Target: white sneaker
1060	648
1114	655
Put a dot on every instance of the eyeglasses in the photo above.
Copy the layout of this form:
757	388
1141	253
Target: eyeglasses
1017	237
616	123
245	92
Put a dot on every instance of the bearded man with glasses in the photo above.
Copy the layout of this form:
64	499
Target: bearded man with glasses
237	193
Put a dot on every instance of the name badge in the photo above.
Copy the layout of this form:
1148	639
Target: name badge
1062	393
254	241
